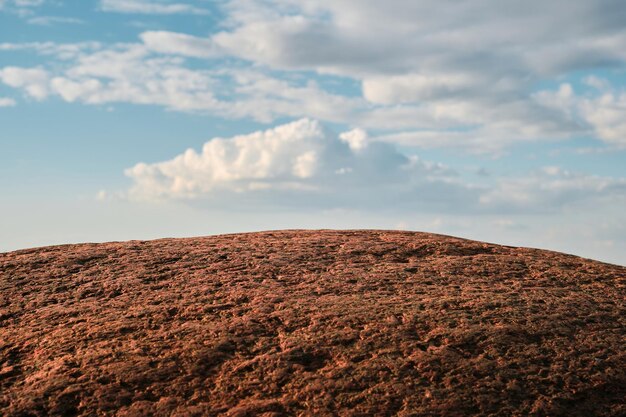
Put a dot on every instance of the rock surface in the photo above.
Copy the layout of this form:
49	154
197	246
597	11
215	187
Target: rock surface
310	323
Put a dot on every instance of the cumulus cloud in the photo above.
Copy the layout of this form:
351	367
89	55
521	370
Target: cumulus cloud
299	163
306	165
149	7
357	139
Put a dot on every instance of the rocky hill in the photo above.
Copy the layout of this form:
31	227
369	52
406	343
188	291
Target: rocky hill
310	323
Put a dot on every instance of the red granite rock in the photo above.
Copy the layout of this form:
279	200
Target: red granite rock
310	323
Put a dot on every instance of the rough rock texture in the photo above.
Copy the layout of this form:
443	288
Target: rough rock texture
310	323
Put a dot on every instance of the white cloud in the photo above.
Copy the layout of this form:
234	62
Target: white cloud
7	102
28	3
61	51
300	163
73	90
20	3
133	73
22	8
285	157
605	112
416	87
430	67
425	37
430	75
33	80
357	139
51	20
179	44
129	73
149	7
306	165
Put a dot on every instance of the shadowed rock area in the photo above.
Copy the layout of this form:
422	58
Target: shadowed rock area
347	323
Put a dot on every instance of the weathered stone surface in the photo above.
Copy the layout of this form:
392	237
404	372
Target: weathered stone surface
310	323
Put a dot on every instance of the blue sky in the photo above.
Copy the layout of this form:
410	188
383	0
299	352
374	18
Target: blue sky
136	119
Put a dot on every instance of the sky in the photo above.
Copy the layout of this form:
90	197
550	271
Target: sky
496	120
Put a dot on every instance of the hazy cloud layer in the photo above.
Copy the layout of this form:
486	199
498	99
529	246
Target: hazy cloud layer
7	102
149	7
5	4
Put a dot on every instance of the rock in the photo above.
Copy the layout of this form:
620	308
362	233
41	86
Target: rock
310	323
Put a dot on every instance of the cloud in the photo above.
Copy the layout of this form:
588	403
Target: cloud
60	51
52	20
33	80
410	88
179	44
429	67
429	76
20	3
304	164
607	114
133	73
7	102
28	3
552	189
300	163
21	8
604	112
361	37
149	7
127	74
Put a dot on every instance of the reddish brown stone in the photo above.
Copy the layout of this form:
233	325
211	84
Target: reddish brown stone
310	323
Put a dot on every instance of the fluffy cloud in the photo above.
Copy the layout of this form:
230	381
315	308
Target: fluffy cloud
434	66
148	7
429	75
607	114
299	163
133	73
33	80
306	165
121	74
604	112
